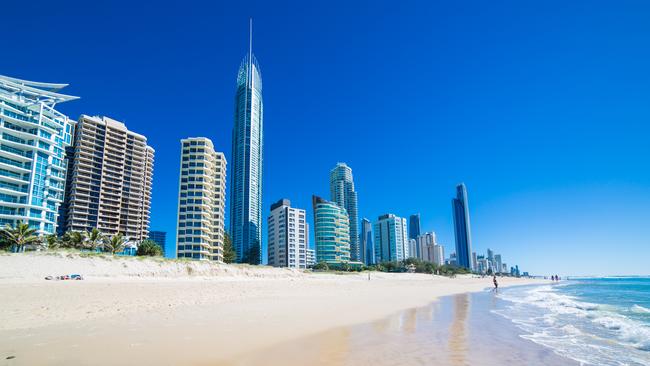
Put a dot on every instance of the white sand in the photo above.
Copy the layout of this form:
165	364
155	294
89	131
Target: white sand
177	312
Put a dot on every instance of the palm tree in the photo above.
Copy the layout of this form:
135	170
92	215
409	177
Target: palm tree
115	244
51	241
74	239
94	239
19	236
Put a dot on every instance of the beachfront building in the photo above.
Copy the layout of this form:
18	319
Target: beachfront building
366	245
32	153
462	231
159	237
413	248
110	173
391	242
497	263
424	248
288	236
414	226
342	192
201	201
331	232
247	159
474	261
311	258
438	255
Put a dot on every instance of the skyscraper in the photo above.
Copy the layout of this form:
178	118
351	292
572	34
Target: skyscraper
498	265
425	247
461	228
366	243
201	201
342	192
288	236
110	174
391	242
438	255
247	158
414	226
331	232
32	158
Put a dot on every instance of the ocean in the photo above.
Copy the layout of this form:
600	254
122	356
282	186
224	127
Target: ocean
595	321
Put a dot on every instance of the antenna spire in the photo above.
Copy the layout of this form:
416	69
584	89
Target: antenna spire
250	41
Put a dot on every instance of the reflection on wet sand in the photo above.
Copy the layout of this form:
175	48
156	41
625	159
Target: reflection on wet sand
439	334
457	331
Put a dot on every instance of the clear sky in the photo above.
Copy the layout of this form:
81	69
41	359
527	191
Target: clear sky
540	107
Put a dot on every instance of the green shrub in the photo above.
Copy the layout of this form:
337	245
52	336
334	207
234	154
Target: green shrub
149	248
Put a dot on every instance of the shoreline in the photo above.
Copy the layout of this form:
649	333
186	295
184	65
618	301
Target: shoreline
168	319
458	329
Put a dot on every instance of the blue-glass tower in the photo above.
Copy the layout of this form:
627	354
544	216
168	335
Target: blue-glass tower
247	150
461	228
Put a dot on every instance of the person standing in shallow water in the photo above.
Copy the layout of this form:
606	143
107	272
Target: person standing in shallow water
496	284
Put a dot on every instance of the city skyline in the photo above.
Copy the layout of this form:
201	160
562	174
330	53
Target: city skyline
549	172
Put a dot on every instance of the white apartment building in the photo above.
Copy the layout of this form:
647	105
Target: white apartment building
311	256
391	241
425	246
288	236
438	255
33	139
201	201
110	173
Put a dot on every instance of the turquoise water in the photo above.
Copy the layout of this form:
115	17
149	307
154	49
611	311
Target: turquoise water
596	321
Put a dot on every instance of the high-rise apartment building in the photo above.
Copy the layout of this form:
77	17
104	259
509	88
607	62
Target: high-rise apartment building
110	173
498	265
201	201
461	228
32	153
414	226
342	192
414	249
288	236
391	242
247	158
438	255
425	247
366	243
311	257
331	232
159	237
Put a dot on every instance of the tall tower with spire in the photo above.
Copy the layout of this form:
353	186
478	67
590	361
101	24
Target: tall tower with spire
247	158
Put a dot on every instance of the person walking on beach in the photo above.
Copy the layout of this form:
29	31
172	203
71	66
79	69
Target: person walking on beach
496	284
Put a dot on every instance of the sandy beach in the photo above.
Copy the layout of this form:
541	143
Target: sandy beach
144	311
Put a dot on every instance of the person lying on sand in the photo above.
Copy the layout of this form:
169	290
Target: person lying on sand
65	277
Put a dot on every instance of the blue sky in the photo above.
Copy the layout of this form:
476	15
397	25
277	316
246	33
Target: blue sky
540	107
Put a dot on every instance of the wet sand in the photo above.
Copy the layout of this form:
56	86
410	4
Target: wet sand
458	330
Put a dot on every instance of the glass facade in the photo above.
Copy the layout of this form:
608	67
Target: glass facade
160	238
331	232
414	226
366	243
342	192
461	228
34	136
247	149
